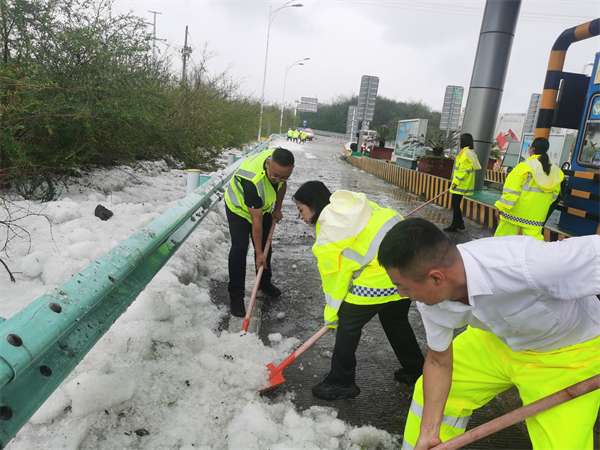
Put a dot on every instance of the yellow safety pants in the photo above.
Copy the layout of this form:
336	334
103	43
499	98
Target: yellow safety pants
484	366
506	228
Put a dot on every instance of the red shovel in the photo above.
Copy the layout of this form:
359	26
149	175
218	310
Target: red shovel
276	378
257	282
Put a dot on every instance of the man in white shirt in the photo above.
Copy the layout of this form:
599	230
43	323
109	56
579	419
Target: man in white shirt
534	323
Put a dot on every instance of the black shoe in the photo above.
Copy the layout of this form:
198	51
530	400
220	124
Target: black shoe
237	308
326	390
451	228
406	377
270	290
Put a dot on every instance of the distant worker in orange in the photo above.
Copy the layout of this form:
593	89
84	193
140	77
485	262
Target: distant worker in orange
528	192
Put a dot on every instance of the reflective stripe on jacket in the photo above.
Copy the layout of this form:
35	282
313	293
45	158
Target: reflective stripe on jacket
528	193
357	263
253	170
464	172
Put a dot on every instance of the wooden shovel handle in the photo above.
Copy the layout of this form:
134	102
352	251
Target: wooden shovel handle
574	391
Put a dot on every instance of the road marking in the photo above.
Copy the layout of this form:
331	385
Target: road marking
310	156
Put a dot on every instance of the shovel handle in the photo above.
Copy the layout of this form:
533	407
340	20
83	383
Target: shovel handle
318	335
257	282
574	391
426	203
290	359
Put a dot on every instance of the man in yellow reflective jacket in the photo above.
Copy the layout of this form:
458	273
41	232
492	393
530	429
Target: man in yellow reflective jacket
349	230
303	137
253	199
528	192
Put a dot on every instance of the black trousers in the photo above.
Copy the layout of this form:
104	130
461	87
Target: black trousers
394	320
241	233
457	218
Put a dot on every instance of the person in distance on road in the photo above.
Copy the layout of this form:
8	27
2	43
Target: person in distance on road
349	229
533	322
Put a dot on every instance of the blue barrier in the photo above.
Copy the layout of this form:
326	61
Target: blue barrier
46	340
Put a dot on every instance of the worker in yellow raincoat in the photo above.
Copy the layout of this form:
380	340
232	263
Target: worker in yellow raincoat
349	229
463	180
528	192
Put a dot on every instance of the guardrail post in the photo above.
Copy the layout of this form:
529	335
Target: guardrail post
193	180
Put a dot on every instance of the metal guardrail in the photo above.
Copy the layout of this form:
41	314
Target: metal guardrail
332	134
45	341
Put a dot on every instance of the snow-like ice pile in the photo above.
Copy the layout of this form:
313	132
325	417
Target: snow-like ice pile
161	377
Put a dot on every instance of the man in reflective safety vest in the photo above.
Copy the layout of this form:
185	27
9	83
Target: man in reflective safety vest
533	322
258	184
349	231
296	135
290	134
528	192
303	137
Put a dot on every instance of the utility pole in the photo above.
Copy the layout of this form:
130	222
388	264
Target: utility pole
154	36
185	54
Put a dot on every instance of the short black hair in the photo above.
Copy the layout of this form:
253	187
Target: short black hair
415	246
283	157
315	195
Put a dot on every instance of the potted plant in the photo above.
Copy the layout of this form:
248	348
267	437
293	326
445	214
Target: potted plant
384	133
495	156
434	162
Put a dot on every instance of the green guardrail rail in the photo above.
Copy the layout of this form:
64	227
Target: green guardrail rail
45	341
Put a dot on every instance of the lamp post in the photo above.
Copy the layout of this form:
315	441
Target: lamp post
287	69
272	15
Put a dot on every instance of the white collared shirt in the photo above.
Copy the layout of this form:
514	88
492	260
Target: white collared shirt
533	295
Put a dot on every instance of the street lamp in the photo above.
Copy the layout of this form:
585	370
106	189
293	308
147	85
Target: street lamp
271	18
287	69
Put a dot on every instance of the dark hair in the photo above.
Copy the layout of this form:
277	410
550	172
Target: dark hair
414	247
315	195
540	147
466	140
283	157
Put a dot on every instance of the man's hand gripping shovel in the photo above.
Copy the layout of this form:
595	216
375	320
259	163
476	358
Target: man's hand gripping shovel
257	282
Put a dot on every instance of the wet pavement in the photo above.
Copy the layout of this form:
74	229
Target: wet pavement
383	402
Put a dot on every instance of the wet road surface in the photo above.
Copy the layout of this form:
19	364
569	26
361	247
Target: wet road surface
383	402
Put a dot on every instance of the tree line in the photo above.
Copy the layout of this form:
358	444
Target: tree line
333	116
79	86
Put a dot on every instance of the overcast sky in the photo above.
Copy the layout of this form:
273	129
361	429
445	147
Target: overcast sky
416	47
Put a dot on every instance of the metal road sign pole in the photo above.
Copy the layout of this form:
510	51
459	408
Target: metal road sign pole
366	104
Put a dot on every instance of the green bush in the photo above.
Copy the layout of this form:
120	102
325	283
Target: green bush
79	87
